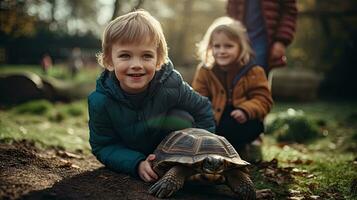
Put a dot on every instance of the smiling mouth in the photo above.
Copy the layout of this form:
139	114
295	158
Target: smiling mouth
136	75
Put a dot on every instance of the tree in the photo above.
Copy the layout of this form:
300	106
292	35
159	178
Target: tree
14	20
326	42
119	6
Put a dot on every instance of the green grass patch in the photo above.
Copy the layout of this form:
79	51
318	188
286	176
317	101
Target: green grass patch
34	107
292	126
60	125
328	162
323	167
8	69
331	174
61	72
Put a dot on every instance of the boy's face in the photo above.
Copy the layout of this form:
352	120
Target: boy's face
134	65
224	50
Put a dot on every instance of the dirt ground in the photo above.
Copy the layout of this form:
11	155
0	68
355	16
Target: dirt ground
30	173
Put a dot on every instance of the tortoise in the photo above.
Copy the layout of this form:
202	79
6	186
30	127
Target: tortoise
195	154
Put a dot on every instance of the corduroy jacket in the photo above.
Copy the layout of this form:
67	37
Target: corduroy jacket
279	17
250	94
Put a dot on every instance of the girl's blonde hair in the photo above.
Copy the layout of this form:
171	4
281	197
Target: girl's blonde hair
135	27
234	31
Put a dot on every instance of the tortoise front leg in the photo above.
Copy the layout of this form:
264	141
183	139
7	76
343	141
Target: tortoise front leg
172	181
240	184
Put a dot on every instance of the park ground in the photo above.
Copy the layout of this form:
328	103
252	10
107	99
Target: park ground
44	154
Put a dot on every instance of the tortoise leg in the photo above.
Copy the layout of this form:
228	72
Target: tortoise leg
240	184
265	194
172	181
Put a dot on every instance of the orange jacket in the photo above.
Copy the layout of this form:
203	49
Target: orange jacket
251	93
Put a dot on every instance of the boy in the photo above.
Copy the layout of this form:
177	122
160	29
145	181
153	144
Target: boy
139	98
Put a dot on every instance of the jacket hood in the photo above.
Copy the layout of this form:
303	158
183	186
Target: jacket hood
108	84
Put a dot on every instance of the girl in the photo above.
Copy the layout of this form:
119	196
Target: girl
238	90
139	98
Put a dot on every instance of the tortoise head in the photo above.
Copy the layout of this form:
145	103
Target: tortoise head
213	165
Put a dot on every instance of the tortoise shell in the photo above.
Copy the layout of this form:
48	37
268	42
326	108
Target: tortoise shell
191	146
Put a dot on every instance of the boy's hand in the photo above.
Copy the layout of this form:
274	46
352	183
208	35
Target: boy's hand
239	115
145	170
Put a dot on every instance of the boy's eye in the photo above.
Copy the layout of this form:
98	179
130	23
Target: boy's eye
216	45
228	46
124	55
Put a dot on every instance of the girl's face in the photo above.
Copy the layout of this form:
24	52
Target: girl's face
134	65
225	51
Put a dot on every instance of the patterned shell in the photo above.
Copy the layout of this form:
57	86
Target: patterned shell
192	145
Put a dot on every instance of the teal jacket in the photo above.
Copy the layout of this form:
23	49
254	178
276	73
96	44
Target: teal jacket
122	134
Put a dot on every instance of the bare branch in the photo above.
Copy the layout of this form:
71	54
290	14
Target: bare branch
138	4
117	6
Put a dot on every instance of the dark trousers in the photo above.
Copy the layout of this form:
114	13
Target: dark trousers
236	133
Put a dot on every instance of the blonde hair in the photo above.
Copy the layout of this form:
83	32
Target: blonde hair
134	27
234	30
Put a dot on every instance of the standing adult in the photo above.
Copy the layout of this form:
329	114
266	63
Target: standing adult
271	27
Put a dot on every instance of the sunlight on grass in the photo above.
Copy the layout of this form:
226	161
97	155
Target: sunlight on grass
42	124
328	163
61	72
329	174
6	69
323	167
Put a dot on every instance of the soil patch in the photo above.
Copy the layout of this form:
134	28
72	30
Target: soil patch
30	173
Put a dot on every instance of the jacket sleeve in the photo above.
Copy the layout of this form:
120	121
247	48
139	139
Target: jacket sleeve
258	94
286	26
199	82
106	146
198	106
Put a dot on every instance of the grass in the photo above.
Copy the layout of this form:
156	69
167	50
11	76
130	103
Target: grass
293	126
328	163
49	125
61	72
323	167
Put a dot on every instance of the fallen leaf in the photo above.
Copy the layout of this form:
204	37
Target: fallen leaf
65	163
65	154
75	166
291	191
296	198
300	161
314	197
299	172
313	186
310	176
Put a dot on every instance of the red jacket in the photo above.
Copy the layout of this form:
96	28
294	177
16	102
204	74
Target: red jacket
279	17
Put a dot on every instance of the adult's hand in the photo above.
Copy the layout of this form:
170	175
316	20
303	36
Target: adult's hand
278	51
277	55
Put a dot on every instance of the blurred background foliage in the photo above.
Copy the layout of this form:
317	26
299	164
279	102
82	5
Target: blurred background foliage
325	41
318	136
